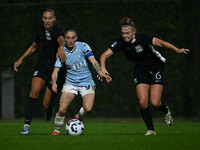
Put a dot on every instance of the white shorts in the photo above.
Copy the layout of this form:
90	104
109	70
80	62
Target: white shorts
83	90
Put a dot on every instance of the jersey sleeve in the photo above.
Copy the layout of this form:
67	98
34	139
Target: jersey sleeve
116	46
37	37
147	39
56	32
58	63
86	49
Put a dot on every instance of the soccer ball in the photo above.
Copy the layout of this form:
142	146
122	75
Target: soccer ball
74	127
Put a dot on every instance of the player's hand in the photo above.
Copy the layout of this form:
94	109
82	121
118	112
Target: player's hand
61	54
54	88
107	77
183	50
16	64
104	70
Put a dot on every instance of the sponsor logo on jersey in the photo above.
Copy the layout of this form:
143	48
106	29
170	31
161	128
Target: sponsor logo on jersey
48	35
114	44
79	65
138	48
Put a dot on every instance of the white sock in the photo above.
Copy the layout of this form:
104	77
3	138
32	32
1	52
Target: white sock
81	113
59	122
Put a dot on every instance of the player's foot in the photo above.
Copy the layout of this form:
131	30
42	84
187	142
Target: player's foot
76	117
169	118
55	133
150	132
25	131
48	114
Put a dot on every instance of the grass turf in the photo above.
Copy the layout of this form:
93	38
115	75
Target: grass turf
102	135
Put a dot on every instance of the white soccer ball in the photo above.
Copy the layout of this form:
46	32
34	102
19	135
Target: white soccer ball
74	127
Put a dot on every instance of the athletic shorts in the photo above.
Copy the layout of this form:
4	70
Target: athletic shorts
149	74
83	90
44	71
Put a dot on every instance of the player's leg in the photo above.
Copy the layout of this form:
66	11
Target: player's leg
88	95
32	101
155	98
48	103
142	91
65	100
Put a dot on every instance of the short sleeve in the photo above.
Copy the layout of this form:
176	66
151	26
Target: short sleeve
58	63
116	46
86	48
37	36
147	39
56	32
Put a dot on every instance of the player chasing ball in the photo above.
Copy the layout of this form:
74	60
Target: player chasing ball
148	68
78	79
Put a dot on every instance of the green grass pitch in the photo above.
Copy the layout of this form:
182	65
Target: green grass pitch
101	135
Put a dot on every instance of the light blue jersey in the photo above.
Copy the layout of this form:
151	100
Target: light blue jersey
79	74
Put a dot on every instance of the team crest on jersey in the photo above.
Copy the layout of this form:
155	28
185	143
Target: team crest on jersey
48	35
138	48
78	54
114	44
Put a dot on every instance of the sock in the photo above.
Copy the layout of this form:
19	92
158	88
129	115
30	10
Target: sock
147	117
81	113
162	108
30	109
59	122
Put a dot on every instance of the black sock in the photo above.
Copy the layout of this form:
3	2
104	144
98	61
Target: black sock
162	108
147	117
30	109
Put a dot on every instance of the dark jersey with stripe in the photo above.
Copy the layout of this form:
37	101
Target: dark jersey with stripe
140	50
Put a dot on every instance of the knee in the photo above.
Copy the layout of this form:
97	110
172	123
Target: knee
88	109
156	104
35	93
46	105
143	103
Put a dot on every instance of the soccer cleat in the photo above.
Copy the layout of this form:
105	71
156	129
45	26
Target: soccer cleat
25	130
76	117
169	118
48	114
55	133
150	132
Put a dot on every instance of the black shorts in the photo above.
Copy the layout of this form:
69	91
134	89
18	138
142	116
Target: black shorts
45	71
149	74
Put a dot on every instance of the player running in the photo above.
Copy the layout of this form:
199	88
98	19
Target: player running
51	38
148	68
79	78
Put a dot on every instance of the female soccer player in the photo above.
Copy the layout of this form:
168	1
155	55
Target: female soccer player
79	78
51	38
148	68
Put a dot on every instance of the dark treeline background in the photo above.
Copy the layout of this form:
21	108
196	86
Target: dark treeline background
97	23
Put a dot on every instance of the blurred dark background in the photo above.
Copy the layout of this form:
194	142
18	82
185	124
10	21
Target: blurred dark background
97	23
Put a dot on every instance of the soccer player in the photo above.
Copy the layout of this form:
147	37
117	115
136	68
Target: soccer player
51	38
148	68
79	78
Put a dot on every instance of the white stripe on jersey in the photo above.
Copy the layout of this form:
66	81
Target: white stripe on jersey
163	59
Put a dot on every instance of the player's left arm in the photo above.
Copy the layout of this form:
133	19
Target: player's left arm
97	67
160	43
61	52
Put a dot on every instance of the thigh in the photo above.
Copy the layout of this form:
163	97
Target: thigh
142	91
36	86
155	94
88	100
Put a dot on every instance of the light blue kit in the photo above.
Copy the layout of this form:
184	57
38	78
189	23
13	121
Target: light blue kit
79	74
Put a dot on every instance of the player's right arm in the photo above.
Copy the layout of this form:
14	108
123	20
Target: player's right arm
29	51
103	59
54	77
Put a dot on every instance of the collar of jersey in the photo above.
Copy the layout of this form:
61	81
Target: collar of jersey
133	40
69	50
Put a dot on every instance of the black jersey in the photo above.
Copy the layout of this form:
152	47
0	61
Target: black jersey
140	50
48	41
